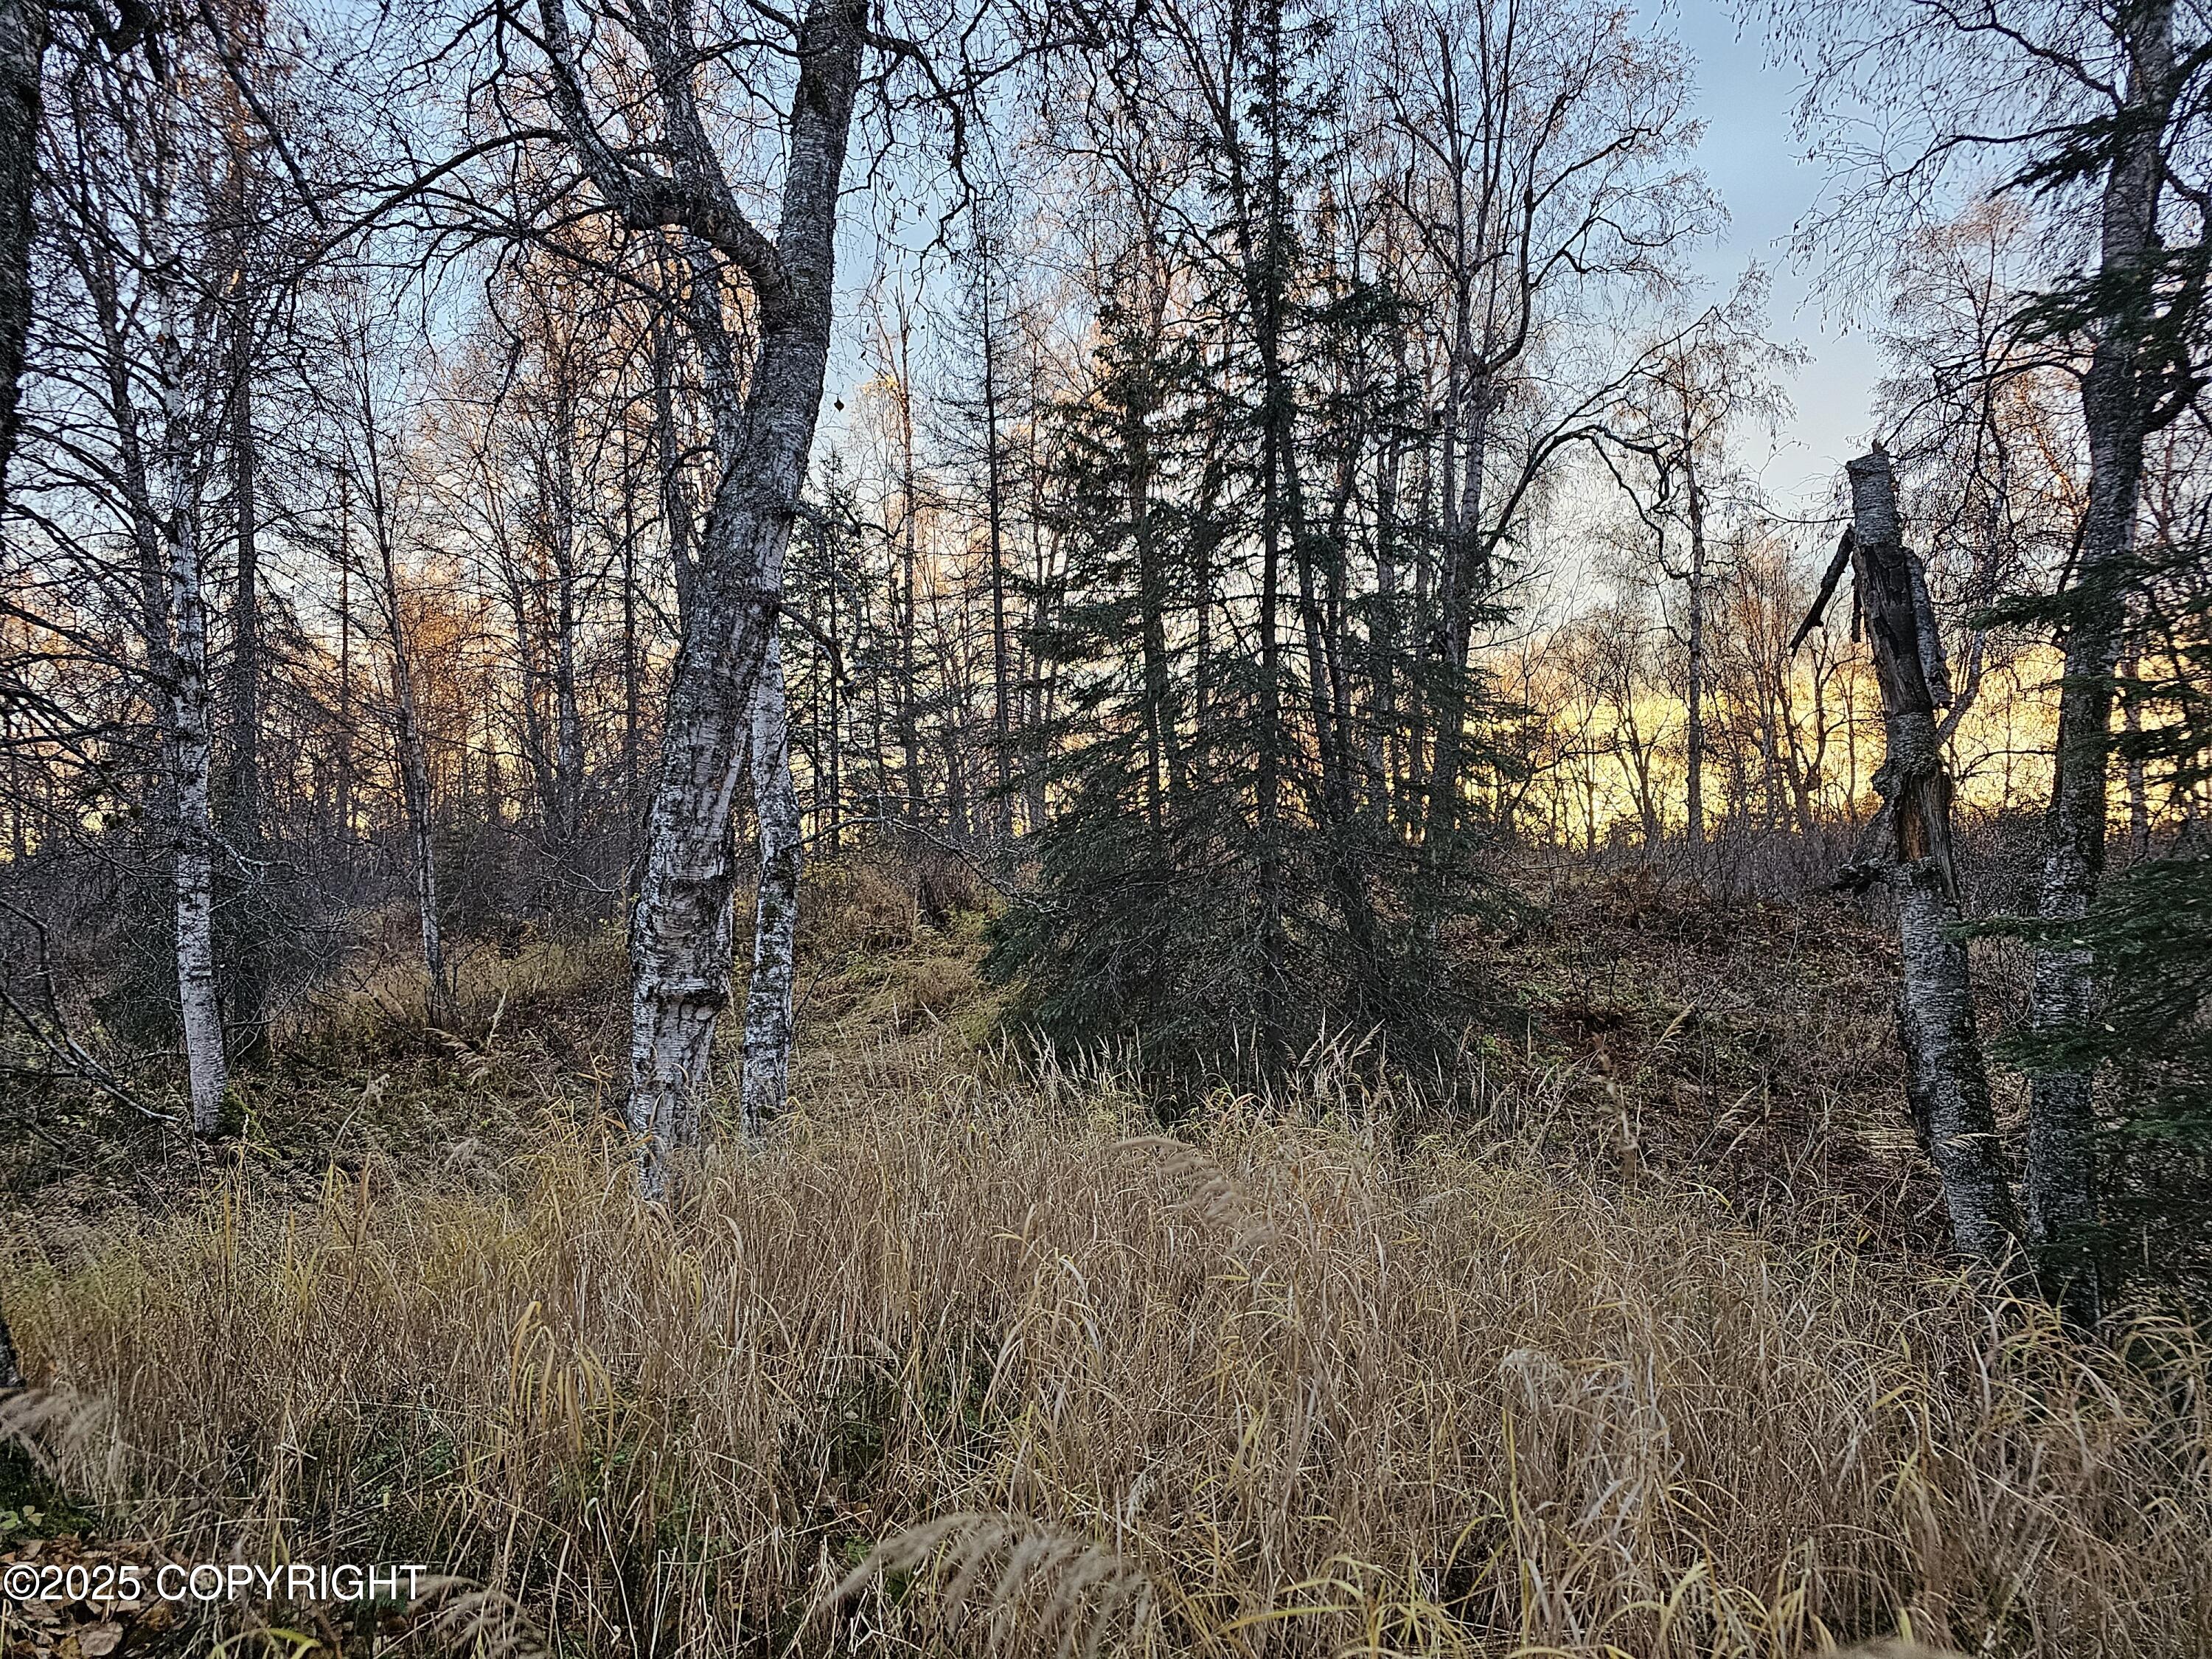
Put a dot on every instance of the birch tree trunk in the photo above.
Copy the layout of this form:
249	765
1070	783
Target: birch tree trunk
680	929
2062	1126
1694	736
414	764
1946	1087
191	752
776	907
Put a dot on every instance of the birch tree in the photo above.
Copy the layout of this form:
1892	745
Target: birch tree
132	414
1684	410
1908	847
2099	110
775	907
1542	166
763	377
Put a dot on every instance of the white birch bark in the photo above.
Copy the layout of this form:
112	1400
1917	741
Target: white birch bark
2063	1178
1946	1085
775	905
190	750
681	926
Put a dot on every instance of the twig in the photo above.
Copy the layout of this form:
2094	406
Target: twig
52	1033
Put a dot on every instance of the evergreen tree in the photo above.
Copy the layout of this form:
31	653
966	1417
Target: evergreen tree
2147	1036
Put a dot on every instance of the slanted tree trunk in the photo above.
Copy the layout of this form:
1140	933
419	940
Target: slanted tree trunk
681	926
776	907
1946	1087
2062	1125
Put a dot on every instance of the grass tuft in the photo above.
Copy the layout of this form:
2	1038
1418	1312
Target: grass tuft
1005	1372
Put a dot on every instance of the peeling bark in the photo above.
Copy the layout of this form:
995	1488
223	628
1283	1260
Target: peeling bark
775	907
681	925
2062	1125
1946	1087
191	752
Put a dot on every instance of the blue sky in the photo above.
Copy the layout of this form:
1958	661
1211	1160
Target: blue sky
1755	161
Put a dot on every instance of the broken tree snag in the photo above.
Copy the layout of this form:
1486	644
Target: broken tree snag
1946	1088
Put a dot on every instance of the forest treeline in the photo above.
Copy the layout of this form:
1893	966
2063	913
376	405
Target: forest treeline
1239	472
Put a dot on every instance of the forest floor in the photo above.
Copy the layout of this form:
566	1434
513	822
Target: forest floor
1624	1333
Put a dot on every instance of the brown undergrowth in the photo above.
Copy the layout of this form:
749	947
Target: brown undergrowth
1751	1044
1290	1390
968	1358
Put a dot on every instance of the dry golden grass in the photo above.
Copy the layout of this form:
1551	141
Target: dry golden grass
969	1362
